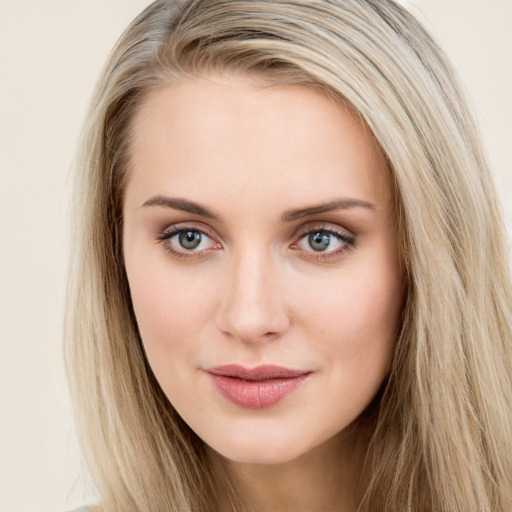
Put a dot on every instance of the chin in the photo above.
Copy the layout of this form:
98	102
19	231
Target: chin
260	448
259	456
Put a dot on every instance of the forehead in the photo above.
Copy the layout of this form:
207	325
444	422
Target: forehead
233	135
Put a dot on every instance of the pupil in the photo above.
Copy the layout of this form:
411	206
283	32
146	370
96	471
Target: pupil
319	241
189	239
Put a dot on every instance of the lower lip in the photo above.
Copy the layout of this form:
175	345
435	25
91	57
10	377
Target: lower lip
256	394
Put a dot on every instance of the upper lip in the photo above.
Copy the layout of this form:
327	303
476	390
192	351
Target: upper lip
263	372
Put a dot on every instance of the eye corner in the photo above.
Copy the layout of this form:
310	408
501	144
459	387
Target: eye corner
344	239
175	238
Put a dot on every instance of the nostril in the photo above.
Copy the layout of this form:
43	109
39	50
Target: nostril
252	306
253	327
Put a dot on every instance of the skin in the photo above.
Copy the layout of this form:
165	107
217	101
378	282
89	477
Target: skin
255	291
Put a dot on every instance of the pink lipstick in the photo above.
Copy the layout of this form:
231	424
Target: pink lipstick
256	388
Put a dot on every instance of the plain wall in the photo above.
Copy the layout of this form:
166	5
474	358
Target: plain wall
51	52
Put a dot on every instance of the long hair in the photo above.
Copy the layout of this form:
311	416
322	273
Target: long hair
441	440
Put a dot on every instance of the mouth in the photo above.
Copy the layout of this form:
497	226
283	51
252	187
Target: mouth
256	388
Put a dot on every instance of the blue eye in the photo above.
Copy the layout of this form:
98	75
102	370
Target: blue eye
183	241
189	240
319	241
324	241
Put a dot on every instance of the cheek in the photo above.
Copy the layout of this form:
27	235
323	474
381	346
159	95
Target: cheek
354	321
171	309
359	302
358	344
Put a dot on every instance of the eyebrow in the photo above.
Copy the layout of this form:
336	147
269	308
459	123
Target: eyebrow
338	204
180	204
185	205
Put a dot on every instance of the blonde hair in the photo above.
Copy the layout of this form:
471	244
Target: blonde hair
441	439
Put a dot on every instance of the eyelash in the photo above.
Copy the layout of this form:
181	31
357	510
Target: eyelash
348	241
166	234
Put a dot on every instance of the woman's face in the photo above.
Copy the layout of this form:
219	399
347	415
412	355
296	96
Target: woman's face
260	245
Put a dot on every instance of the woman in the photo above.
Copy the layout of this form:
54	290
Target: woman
290	288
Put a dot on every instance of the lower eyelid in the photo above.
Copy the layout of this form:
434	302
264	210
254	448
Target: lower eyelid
164	236
347	242
169	232
342	237
172	247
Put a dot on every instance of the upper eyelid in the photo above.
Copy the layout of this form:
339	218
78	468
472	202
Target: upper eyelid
342	237
329	227
172	229
165	236
302	230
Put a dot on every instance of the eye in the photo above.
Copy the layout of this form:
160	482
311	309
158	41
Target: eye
186	241
320	241
324	242
189	240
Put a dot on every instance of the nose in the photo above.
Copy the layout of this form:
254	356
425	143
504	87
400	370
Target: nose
252	304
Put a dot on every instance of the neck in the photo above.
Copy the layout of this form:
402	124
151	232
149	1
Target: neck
323	479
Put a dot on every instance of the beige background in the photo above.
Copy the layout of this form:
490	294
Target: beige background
51	52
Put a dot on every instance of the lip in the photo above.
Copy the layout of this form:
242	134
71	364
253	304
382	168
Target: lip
256	388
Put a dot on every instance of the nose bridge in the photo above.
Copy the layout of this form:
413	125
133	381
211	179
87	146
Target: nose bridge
253	307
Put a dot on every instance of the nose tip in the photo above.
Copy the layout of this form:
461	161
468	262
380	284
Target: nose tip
253	307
